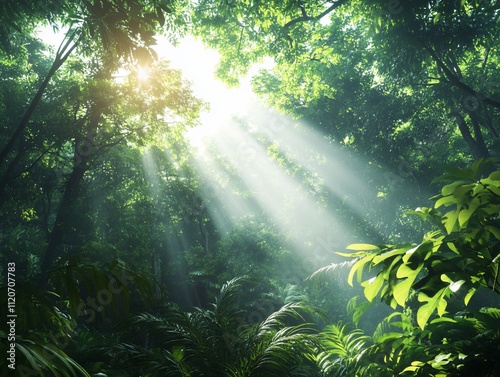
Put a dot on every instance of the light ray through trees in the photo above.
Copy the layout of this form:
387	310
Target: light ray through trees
251	160
291	186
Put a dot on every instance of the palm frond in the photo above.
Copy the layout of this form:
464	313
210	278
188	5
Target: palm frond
149	362
283	351
278	319
388	325
228	295
343	350
109	285
333	269
47	360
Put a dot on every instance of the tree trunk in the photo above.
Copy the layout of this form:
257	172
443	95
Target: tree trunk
63	216
482	150
65	49
478	151
82	155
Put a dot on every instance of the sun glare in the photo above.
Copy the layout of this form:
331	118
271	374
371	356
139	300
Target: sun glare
255	161
251	160
142	73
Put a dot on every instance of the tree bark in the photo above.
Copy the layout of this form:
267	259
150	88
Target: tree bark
477	150
71	192
63	216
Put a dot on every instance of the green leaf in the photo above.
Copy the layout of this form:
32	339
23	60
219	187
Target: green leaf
418	253
415	365
455	286
31	359
362	247
450	188
358	268
359	311
450	220
445	201
461	191
456	173
402	289
452	247
388	254
493	230
372	286
435	303
446	279
495	176
469	295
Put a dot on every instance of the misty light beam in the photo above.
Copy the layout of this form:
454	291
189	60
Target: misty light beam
252	161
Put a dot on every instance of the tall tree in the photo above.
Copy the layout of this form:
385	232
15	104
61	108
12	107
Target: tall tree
440	50
116	29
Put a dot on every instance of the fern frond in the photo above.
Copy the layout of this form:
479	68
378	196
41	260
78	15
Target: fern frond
333	269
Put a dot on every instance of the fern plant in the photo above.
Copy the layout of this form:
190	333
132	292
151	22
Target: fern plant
214	342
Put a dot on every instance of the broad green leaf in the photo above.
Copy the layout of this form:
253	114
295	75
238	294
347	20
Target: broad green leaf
402	289
362	247
415	365
469	295
358	268
418	254
388	254
493	230
465	215
445	201
372	286
452	247
450	188
492	187
443	319
404	271
456	173
446	279
495	176
440	360
434	303
450	220
389	336
455	286
462	190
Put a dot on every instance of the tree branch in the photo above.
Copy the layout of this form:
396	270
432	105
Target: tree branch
306	18
64	51
454	80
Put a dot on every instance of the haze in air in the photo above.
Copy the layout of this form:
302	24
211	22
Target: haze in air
242	188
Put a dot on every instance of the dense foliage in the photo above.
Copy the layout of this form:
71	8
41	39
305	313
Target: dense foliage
125	251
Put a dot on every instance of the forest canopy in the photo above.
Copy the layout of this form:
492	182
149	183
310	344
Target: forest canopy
343	219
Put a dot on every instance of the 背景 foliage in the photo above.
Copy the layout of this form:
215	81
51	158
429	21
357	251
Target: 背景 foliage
400	83
95	177
217	341
461	254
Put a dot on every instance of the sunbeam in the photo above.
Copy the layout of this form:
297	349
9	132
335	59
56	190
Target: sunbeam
251	160
260	184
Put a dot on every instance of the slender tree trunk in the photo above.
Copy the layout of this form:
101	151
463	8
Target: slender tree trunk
63	216
9	172
478	135
477	150
454	80
65	211
64	51
29	112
